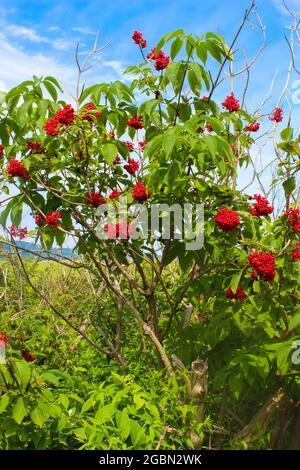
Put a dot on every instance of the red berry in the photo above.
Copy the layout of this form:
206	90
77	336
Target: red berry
227	220
139	192
264	264
95	199
231	103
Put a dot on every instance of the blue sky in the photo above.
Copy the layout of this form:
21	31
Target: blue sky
40	36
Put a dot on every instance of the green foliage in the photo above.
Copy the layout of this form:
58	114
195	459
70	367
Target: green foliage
102	331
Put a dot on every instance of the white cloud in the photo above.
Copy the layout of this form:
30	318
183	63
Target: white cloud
17	66
23	32
116	65
83	30
54	28
63	44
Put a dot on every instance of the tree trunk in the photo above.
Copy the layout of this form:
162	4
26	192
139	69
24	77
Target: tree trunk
197	392
261	419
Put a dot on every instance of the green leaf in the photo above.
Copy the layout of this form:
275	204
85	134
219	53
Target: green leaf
201	51
22	373
5	213
60	237
236	384
256	287
16	91
55	82
282	354
214	51
4	134
137	433
51	90
39	416
4	402
287	133
194	82
19	410
211	143
109	151
295	321
167	37
47	240
176	47
16	214
105	413
235	280
169	142
289	185
50	378
123	423
148	108
176	248
88	404
172	174
139	401
197	69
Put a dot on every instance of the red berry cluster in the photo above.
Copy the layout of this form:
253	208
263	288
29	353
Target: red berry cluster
117	160
39	219
296	254
136	122
231	103
1	150
132	166
27	356
18	232
227	220
142	144
139	40
16	168
293	216
34	147
95	199
139	192
239	295
88	115
253	127
114	194
64	117
51	127
129	145
277	115
121	230
261	206
4	339
264	264
161	59
53	218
